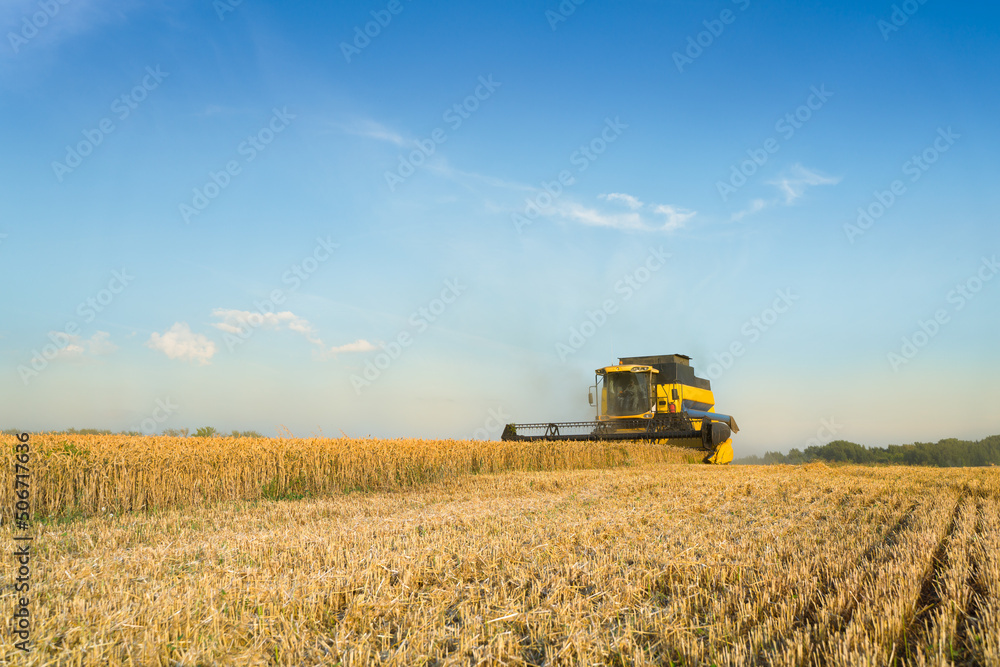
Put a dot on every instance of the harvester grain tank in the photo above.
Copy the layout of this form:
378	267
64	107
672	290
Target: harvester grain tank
655	398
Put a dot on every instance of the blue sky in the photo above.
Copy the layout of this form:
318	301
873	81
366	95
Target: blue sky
252	214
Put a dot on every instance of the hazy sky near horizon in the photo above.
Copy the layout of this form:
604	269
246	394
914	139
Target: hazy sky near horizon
411	218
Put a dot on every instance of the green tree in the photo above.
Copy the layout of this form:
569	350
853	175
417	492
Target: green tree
949	452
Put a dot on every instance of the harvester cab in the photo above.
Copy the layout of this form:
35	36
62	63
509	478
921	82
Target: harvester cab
656	398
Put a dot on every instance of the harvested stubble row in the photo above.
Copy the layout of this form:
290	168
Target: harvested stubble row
650	565
946	595
85	475
981	629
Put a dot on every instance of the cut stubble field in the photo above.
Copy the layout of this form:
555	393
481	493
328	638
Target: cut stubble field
647	562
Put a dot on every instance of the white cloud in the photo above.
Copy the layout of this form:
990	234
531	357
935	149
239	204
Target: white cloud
792	185
561	207
628	200
240	321
237	321
76	347
755	206
360	345
299	325
179	342
100	343
676	217
594	218
633	220
799	178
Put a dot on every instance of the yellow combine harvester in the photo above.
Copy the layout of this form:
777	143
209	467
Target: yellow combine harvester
647	398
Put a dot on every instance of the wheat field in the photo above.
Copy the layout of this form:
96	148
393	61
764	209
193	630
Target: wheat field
86	475
648	562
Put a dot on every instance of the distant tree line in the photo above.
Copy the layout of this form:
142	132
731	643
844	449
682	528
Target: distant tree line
948	453
204	432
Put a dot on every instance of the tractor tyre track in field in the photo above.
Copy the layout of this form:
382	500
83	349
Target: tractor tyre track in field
932	592
969	622
806	627
972	628
874	556
864	628
809	626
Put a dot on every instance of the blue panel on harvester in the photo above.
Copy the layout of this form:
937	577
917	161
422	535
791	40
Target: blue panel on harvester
715	416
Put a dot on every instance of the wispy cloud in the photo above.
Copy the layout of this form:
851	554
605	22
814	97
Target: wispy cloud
586	215
179	342
29	24
798	179
360	345
628	200
76	347
639	217
755	206
793	185
237	321
100	344
373	130
676	217
440	166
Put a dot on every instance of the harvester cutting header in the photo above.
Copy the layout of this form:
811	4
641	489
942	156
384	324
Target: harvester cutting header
654	398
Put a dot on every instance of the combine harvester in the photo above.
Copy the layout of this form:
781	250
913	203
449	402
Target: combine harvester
647	398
